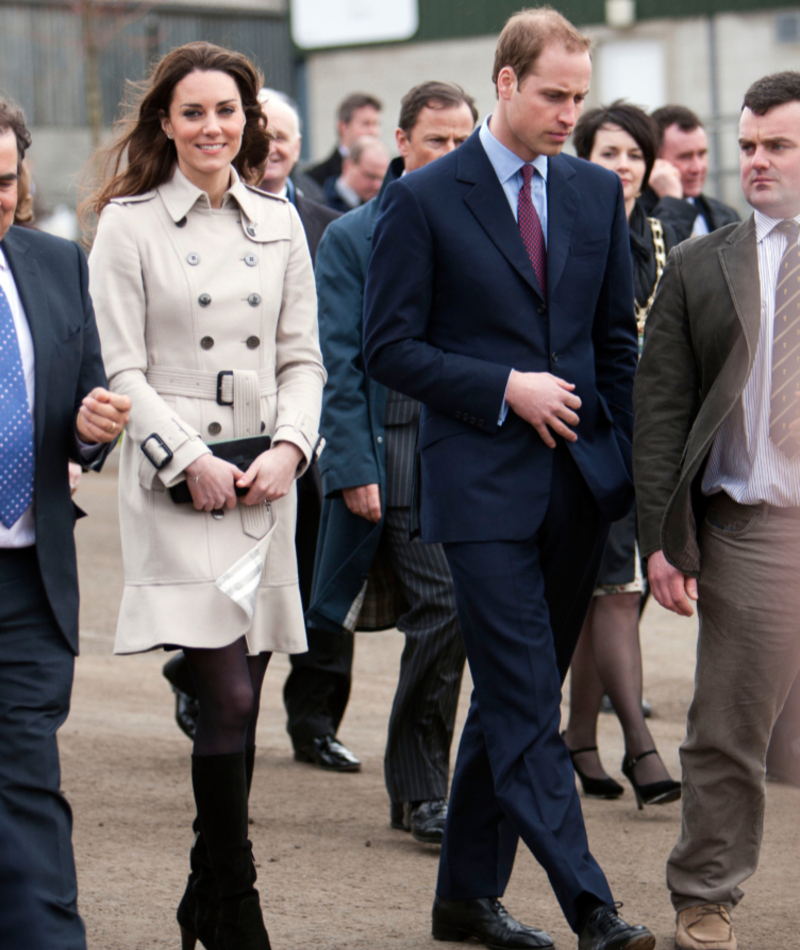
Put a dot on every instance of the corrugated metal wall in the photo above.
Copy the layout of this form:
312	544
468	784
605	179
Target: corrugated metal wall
42	53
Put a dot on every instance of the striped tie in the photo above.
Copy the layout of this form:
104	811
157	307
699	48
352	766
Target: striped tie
784	405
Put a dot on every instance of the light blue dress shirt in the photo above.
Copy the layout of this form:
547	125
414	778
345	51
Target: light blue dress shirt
508	168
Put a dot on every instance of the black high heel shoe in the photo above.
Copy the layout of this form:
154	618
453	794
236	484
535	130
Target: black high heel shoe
594	787
654	793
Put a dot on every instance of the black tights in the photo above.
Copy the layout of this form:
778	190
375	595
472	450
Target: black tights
228	685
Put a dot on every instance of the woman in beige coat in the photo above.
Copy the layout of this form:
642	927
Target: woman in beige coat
206	306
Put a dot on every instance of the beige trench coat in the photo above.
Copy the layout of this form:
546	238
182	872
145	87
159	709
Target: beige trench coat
184	292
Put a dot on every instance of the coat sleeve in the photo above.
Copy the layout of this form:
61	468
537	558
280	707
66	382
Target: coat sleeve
665	399
614	332
299	371
397	309
349	459
118	289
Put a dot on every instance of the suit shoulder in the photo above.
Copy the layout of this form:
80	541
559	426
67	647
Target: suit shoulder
356	223
699	248
588	172
46	245
308	208
725	212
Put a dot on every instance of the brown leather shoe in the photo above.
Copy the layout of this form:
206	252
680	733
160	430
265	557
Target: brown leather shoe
705	927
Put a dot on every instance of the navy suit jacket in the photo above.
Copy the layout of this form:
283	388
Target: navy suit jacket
53	283
452	305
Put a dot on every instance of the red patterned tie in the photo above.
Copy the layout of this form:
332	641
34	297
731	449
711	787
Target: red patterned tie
530	227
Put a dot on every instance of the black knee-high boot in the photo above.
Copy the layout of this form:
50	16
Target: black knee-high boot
198	911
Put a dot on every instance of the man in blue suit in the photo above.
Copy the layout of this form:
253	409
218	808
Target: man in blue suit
507	311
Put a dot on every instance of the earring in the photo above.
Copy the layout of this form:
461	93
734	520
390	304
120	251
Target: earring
169	136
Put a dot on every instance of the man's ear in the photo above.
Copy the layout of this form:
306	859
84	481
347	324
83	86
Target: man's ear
506	82
403	144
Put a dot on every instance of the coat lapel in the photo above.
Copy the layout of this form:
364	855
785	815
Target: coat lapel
488	203
739	262
28	279
562	207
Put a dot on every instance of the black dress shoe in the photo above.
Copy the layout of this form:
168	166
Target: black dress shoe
425	820
606	930
328	753
488	921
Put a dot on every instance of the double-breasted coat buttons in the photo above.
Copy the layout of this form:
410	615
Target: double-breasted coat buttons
251	230
193	259
251	260
207	342
181	223
253	343
254	300
214	428
204	300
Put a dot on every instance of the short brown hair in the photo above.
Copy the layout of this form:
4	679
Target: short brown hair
432	95
13	118
527	33
631	119
141	156
685	119
774	90
356	100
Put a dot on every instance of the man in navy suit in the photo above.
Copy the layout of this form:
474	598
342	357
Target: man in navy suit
507	311
53	407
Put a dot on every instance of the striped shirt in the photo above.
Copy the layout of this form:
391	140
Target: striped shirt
744	462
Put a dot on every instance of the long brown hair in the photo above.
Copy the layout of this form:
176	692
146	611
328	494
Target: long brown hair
141	157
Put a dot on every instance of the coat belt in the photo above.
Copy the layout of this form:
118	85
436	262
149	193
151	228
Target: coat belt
203	384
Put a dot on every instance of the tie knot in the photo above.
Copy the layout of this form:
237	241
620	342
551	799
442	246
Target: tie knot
527	174
790	228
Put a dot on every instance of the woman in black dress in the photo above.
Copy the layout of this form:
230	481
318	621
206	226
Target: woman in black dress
608	658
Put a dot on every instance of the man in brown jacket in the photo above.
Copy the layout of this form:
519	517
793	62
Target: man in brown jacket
717	473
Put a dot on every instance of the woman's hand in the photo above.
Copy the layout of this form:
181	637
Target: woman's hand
211	482
272	473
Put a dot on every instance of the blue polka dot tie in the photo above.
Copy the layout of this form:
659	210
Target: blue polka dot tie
16	430
530	227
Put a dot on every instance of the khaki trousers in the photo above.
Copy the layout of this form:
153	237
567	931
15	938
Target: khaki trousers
748	655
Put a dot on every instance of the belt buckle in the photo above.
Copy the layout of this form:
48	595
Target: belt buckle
220	374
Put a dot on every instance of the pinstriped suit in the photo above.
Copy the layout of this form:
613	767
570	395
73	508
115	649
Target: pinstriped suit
371	438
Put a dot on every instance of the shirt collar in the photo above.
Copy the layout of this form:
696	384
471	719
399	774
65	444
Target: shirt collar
505	162
766	225
3	261
180	195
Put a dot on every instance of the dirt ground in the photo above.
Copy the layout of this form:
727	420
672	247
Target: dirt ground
332	873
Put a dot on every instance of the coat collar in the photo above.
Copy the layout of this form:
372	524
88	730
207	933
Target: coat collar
739	262
30	286
396	170
487	202
180	196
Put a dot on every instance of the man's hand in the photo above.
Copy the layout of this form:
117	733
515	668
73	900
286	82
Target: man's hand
364	501
665	180
670	587
102	416
271	475
544	401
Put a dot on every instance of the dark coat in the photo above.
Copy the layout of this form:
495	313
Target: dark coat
332	197
353	418
315	218
331	167
453	305
53	283
681	215
700	343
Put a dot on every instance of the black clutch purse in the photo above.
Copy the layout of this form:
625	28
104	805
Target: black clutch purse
239	452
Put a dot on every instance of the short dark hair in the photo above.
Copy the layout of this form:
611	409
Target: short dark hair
13	118
527	33
633	120
356	100
685	119
774	90
433	95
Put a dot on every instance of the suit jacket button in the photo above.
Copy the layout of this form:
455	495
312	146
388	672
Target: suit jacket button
193	259
214	428
254	300
457	415
207	342
379	440
251	260
253	342
204	300
554	356
481	422
541	308
472	420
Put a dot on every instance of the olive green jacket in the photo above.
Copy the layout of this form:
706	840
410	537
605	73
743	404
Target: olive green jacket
699	345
